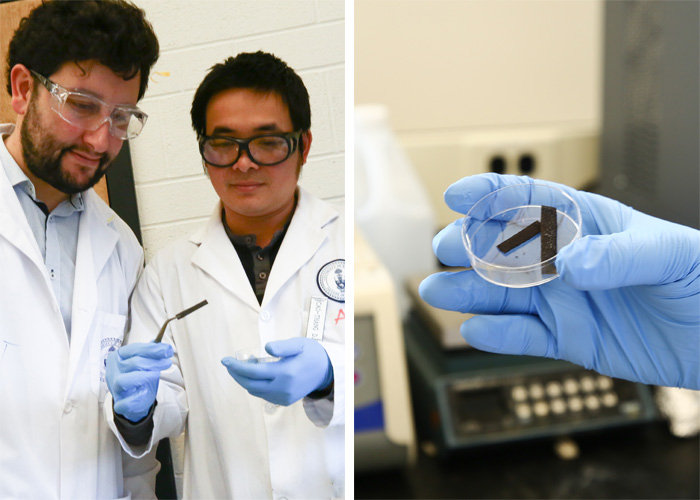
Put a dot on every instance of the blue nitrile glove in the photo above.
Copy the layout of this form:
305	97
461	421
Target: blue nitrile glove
132	376
626	304
303	369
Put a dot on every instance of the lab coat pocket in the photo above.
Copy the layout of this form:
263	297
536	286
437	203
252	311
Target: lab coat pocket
10	359
108	333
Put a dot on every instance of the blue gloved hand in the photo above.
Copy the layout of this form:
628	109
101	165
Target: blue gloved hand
133	372
626	304
303	369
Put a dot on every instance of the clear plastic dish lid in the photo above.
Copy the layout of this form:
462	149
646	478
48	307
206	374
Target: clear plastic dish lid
255	355
513	234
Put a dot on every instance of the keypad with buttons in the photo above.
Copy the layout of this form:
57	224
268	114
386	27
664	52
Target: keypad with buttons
562	397
540	401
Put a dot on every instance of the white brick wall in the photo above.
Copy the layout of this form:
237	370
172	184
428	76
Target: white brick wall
174	196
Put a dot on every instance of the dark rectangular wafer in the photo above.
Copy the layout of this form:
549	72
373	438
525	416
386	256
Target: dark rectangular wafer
520	237
548	218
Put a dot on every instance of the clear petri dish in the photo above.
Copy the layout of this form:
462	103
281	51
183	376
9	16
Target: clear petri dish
513	234
255	355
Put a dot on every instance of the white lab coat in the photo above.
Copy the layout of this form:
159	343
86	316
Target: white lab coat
54	441
237	445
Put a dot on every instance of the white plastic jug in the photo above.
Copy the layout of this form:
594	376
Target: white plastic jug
392	208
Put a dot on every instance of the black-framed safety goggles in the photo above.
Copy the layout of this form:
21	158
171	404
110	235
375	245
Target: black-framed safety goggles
264	150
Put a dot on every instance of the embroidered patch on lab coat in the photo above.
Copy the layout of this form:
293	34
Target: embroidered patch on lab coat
106	347
331	280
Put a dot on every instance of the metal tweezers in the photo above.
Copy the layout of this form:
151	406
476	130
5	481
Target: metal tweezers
178	316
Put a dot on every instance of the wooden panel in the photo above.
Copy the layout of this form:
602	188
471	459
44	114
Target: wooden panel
101	189
10	16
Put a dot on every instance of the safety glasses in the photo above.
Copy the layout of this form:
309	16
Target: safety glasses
89	112
264	150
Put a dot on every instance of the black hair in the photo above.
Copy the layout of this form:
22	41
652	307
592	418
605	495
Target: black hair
257	71
113	32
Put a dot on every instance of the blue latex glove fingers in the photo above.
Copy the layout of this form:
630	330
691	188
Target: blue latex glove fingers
467	292
145	357
253	377
291	347
517	334
626	304
306	364
150	350
448	246
465	193
132	375
137	391
248	370
647	251
256	378
262	380
304	368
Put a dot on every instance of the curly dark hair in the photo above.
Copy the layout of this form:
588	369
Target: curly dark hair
257	71
113	32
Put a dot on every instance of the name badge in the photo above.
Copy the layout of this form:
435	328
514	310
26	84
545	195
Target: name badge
317	318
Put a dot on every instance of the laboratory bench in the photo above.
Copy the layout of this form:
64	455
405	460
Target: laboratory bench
638	462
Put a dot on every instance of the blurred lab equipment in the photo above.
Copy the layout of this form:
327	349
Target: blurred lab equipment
464	398
391	206
650	120
384	436
682	409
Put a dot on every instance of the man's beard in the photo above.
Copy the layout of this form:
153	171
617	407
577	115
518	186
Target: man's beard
43	154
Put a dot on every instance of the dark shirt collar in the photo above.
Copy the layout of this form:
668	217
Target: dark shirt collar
250	240
257	262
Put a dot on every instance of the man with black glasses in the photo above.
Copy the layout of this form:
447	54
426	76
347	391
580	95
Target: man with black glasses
68	264
270	263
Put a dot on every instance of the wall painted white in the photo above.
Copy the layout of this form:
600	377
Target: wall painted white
465	79
174	195
457	65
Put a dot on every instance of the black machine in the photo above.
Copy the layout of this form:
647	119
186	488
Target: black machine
464	398
651	96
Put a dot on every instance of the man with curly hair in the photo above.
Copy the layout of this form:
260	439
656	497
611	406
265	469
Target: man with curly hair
68	263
